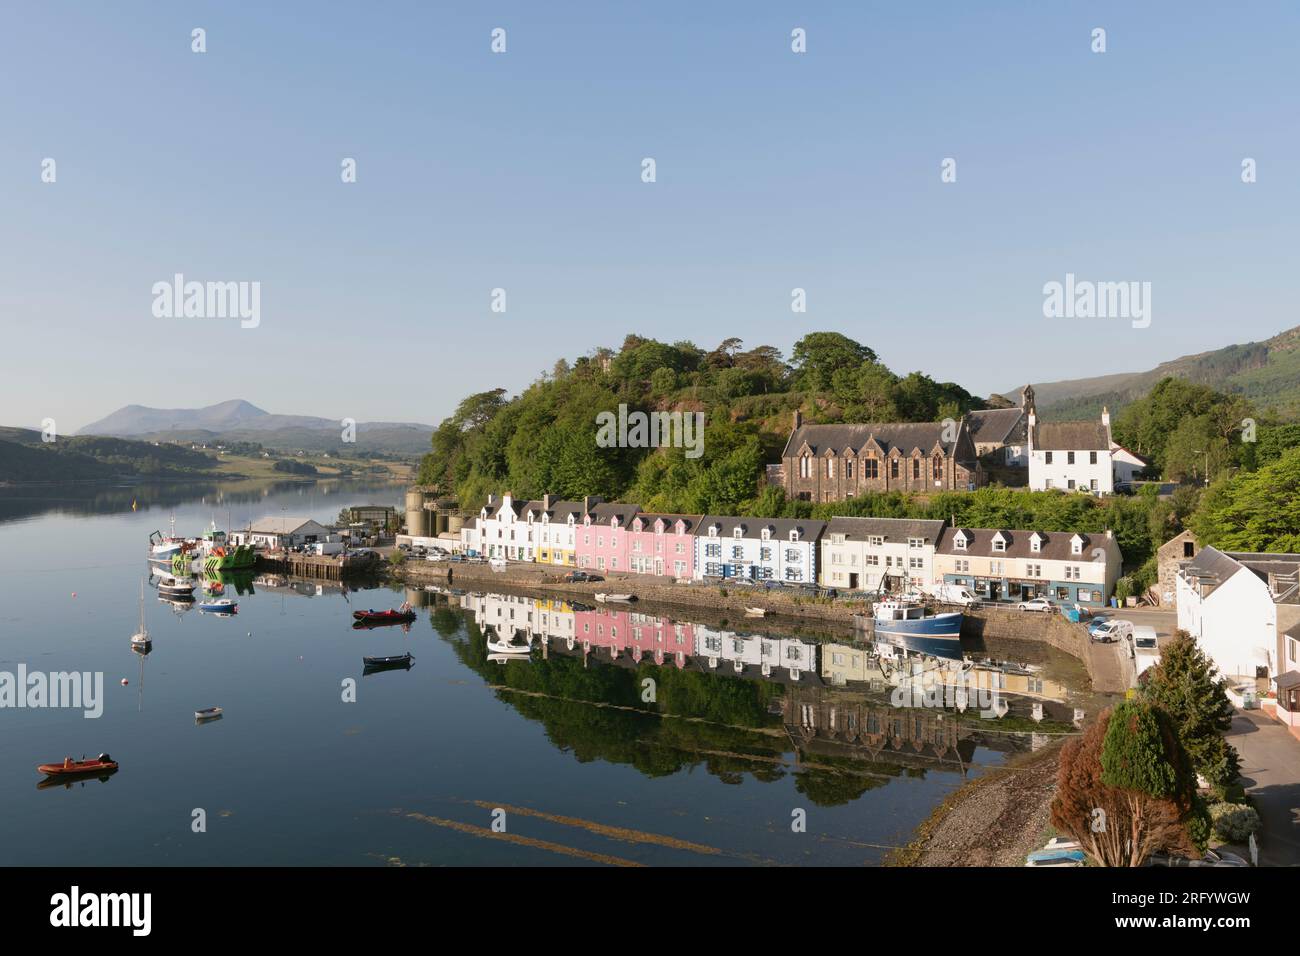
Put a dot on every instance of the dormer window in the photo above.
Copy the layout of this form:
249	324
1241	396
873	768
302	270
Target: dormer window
999	543
737	533
960	541
766	534
916	542
1076	545
876	540
794	534
1036	542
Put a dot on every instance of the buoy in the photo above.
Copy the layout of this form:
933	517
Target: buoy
124	681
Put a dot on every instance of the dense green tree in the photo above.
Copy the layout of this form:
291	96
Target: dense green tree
1253	511
819	355
1186	686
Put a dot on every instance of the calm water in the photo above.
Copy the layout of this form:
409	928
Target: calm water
412	770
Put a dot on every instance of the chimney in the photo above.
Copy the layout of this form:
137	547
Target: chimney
547	501
589	502
506	500
492	499
1105	417
798	419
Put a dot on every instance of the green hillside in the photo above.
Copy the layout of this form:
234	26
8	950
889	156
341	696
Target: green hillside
24	457
545	439
1267	373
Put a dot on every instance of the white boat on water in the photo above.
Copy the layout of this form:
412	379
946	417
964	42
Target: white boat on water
507	648
604	598
169	585
755	611
141	637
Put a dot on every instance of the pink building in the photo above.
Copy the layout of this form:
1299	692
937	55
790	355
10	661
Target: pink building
603	543
610	634
662	544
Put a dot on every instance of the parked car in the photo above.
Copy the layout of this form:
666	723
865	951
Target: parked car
1211	858
1036	604
1108	631
576	577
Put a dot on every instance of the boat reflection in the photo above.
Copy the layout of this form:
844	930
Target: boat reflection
67	780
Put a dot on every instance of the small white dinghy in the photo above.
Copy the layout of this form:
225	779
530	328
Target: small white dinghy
755	611
618	598
207	713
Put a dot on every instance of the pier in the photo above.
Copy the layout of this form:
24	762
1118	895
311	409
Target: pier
329	567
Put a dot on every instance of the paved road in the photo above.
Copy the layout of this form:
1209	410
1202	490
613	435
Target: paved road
1270	770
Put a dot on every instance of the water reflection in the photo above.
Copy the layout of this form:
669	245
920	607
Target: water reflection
671	694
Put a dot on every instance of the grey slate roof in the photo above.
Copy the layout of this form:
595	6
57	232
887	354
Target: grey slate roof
1071	436
892	529
603	512
1055	547
753	527
995	424
905	436
1212	567
691	521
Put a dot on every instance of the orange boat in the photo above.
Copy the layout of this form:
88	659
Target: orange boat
69	766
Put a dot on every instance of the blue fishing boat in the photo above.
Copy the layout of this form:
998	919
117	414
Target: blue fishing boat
910	625
218	606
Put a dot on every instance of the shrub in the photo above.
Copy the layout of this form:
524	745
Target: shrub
1233	821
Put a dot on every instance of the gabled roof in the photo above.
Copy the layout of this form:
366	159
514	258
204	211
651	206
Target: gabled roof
281	525
891	529
1055	546
1211	568
903	436
1071	436
995	424
670	520
603	512
753	527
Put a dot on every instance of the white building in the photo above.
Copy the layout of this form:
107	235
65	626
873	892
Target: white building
504	531
999	564
877	554
276	534
760	549
1077	456
1243	610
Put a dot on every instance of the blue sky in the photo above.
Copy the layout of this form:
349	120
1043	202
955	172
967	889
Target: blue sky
522	171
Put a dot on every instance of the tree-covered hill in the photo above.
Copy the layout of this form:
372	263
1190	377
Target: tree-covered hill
25	457
544	440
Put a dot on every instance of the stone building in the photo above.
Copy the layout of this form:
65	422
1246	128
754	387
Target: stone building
834	462
1171	555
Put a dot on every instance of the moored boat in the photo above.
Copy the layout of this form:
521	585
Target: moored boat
392	662
604	598
208	713
755	611
507	647
402	615
218	606
909	624
99	764
140	639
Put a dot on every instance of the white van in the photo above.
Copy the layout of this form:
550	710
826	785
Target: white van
951	593
1145	648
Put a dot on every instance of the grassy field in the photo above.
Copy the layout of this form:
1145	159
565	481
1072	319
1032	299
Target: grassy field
326	467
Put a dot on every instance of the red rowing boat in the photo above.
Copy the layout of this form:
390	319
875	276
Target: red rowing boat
101	763
385	617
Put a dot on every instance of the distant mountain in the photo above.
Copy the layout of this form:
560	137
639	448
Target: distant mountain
139	420
1268	373
238	420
